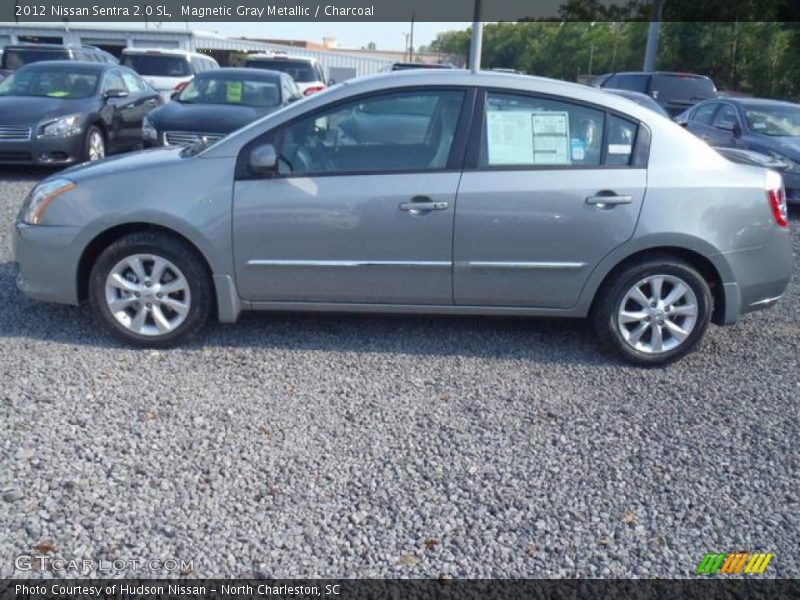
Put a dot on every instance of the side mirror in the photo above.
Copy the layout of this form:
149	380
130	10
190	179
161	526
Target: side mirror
115	94
263	159
736	130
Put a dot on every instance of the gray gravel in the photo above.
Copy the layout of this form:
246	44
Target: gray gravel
329	446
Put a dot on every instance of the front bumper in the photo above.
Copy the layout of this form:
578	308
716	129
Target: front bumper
43	151
48	262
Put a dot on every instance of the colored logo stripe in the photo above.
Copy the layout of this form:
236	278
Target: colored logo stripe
734	563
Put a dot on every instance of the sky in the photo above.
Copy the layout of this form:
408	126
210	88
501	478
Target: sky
387	36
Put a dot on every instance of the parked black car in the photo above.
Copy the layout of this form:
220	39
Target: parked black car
62	112
765	126
19	55
675	92
217	102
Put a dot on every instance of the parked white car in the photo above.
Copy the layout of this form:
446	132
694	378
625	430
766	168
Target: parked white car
168	71
307	72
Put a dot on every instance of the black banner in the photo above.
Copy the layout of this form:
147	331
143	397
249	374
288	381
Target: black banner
392	10
333	589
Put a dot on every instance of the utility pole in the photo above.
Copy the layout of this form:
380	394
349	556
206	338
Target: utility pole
652	36
411	41
477	39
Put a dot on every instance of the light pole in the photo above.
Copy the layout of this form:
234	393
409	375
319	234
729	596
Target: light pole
652	36
477	39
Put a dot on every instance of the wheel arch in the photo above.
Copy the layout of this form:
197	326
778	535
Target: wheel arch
701	262
102	240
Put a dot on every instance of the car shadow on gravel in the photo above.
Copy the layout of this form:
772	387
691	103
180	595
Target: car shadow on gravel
18	173
541	340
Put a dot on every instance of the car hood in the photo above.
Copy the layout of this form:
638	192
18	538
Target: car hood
123	162
29	110
205	118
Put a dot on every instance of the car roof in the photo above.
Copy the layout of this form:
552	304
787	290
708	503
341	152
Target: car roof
67	65
280	57
233	72
164	51
669	73
763	102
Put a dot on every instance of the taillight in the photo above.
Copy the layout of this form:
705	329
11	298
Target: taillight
313	90
776	194
180	86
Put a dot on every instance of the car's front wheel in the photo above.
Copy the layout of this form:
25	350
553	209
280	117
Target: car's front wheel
655	312
94	146
151	289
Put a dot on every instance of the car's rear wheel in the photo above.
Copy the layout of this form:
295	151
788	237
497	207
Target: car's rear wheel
151	289
95	144
654	312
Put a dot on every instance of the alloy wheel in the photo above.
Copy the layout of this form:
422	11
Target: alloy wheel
97	146
147	295
657	314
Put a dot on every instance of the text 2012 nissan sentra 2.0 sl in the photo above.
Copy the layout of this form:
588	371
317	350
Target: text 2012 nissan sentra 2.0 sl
428	192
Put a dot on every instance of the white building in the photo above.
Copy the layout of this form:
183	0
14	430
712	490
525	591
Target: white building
339	65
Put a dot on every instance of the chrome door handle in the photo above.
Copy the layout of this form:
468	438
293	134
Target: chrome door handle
420	206
602	201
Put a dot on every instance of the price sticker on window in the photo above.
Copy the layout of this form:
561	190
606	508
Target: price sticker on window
234	90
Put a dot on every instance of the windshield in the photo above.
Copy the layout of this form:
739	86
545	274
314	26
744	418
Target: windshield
50	83
301	71
157	65
243	92
682	88
776	121
14	58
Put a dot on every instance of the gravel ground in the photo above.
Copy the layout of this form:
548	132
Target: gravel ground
327	446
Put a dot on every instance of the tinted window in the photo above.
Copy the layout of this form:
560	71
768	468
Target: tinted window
157	65
682	88
212	90
396	132
14	58
705	113
726	117
301	71
51	83
521	130
634	83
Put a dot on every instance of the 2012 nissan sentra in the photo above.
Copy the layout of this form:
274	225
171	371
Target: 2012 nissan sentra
442	192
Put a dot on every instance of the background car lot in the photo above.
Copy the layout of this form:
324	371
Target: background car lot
372	446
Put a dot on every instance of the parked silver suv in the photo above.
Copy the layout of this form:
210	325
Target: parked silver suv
430	192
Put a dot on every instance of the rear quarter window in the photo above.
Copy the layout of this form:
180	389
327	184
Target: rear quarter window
683	88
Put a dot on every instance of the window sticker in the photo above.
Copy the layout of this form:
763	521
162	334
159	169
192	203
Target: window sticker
551	138
234	92
530	137
619	149
509	137
577	149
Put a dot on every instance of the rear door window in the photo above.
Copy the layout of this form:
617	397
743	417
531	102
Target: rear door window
537	132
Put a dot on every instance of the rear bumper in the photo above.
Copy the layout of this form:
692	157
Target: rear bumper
760	277
47	262
43	151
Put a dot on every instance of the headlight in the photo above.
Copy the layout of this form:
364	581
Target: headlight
40	198
148	131
62	127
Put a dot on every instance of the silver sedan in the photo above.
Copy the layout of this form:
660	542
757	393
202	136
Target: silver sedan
441	192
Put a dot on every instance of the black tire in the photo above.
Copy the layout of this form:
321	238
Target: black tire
185	258
92	130
607	304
